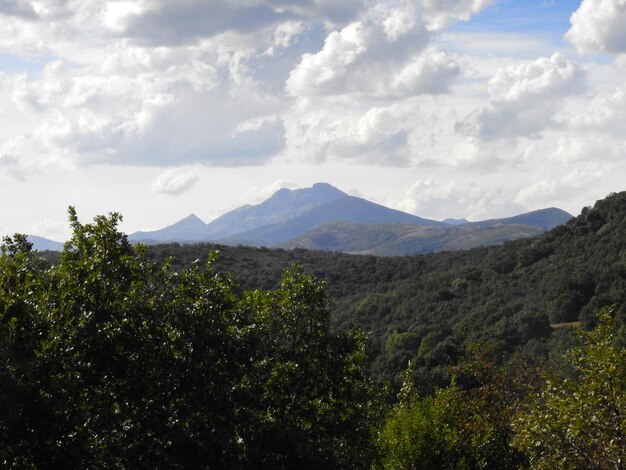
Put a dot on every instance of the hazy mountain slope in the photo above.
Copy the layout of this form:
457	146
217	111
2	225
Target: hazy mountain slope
455	221
283	205
546	219
289	214
191	228
348	209
43	244
406	239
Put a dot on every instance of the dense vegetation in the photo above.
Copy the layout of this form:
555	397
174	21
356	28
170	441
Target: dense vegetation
109	360
429	308
114	356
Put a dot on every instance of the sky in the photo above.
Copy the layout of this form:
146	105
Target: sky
441	108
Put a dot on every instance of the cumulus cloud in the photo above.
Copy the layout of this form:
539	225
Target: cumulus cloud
382	54
257	195
340	128
573	149
439	200
174	182
603	111
441	13
558	189
10	165
17	8
169	23
598	26
163	83
525	98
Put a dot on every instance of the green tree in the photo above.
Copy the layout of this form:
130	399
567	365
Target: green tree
457	427
580	422
313	404
110	360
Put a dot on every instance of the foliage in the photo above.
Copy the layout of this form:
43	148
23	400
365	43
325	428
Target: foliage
580	423
462	426
108	359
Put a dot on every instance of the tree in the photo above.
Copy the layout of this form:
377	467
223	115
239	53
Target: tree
458	427
112	360
580	422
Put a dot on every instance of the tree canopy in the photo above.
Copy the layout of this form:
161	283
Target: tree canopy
109	359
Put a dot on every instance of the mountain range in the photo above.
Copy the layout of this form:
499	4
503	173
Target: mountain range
325	218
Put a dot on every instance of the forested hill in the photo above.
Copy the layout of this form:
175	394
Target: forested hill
429	307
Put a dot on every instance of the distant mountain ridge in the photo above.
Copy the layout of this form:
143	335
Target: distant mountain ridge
349	209
304	217
285	215
545	219
283	205
407	239
43	244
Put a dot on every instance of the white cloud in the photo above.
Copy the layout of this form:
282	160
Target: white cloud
441	13
174	182
440	200
257	195
525	98
51	229
11	166
603	111
384	54
558	189
598	26
594	147
341	128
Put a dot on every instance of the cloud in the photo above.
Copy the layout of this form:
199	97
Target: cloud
51	229
558	189
383	54
17	8
440	200
598	26
604	111
573	149
174	182
257	195
442	13
163	22
11	166
342	128
525	98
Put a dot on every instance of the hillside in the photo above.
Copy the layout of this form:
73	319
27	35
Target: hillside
430	307
284	205
546	219
43	244
349	209
407	239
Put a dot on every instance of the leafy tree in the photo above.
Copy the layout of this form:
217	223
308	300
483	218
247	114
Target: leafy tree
465	425
580	422
110	360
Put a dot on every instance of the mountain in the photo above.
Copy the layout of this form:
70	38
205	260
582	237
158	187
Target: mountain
190	228
546	219
289	215
43	244
348	209
284	205
407	239
455	221
285	215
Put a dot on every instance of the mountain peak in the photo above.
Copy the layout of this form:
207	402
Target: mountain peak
192	219
318	193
